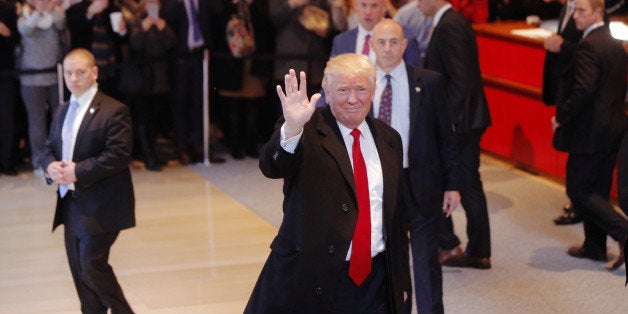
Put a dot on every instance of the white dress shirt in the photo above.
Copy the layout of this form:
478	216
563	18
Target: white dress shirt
374	175
84	102
400	111
359	43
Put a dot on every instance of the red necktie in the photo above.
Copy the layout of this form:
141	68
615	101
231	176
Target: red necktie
360	263
365	47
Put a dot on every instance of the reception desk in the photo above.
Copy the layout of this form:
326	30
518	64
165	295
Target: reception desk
512	69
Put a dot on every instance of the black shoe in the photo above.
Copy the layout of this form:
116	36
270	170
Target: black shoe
215	159
580	252
237	154
152	166
468	261
184	158
619	260
252	152
568	217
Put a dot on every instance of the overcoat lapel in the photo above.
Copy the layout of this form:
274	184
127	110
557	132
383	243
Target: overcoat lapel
333	143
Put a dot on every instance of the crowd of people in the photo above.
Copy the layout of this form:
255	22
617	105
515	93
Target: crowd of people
149	54
413	156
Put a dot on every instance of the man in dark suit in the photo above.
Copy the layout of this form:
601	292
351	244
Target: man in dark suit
356	40
418	112
88	153
190	21
560	48
341	246
453	52
589	125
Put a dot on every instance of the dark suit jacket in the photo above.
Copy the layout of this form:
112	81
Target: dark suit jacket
590	104
345	42
102	153
431	151
320	213
556	63
453	52
622	175
176	17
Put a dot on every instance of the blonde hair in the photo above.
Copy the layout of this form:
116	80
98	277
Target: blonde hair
349	65
597	4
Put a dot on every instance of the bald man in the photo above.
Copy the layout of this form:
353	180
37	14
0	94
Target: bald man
418	112
87	154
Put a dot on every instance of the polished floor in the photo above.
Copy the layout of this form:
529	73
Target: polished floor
195	250
203	235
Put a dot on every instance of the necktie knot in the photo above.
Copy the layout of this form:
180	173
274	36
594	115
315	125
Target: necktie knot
356	134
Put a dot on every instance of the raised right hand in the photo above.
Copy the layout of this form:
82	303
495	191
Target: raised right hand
297	109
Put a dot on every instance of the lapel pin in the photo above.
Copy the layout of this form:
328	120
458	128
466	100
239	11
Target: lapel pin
91	110
417	89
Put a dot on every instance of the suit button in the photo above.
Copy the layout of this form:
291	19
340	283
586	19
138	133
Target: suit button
318	291
331	249
345	208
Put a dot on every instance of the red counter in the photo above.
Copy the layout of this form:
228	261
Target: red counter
512	69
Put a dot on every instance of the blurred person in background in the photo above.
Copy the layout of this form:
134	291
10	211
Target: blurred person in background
151	40
99	26
41	26
191	22
241	82
9	38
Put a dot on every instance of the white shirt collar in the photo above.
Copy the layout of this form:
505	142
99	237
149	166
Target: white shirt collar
591	28
396	73
87	96
440	12
363	32
345	131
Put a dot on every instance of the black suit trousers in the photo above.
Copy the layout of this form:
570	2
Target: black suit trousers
187	104
589	185
472	198
88	256
427	271
8	98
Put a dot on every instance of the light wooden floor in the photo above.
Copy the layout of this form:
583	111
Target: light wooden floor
195	250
